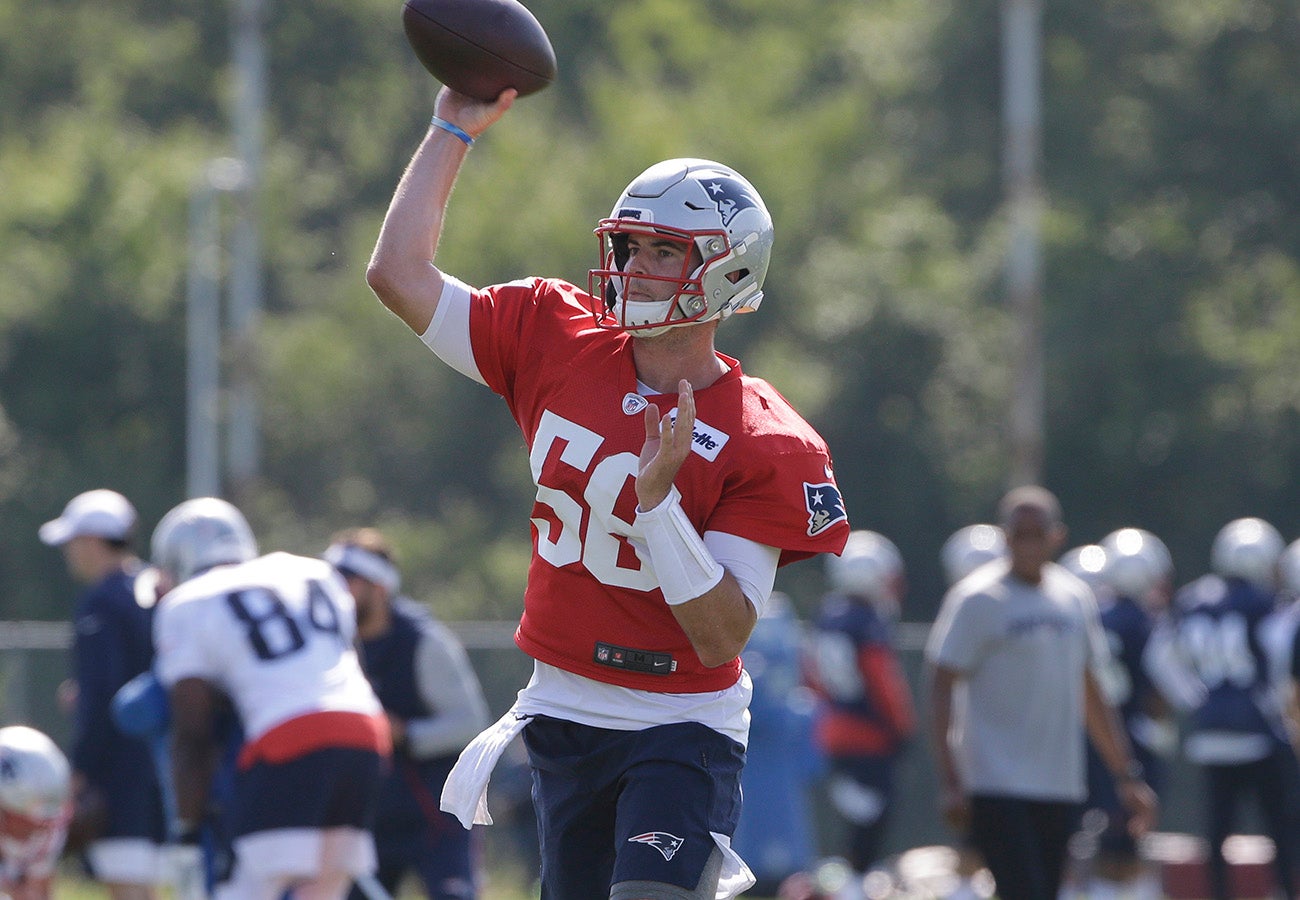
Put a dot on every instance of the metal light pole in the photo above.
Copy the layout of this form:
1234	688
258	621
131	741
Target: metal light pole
203	337
1022	151
246	253
205	346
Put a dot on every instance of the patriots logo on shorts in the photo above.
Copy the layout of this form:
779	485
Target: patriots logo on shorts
665	843
825	507
730	196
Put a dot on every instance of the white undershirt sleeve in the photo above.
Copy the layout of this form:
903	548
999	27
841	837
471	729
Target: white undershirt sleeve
448	334
752	564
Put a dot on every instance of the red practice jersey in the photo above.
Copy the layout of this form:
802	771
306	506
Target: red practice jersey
758	471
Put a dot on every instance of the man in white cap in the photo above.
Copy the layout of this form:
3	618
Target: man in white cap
111	646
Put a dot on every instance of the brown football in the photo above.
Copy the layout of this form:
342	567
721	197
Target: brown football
480	47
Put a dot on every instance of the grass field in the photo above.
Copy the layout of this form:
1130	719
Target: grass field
500	884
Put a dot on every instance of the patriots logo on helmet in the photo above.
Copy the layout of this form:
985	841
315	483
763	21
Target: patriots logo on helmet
665	843
730	196
825	506
8	771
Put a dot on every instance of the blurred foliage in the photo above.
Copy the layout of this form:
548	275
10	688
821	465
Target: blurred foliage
1172	286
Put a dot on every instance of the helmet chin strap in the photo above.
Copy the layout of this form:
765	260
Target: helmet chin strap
658	310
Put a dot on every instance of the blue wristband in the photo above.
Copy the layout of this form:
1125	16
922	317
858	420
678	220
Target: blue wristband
451	128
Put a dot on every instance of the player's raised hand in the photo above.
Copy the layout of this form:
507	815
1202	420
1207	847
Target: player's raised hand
475	116
666	447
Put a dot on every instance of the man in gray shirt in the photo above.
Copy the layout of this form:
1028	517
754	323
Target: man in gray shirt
1011	692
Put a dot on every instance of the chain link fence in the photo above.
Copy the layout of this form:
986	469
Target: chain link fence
34	662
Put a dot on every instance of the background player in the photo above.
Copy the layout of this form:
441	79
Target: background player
434	705
776	835
275	635
1137	572
1213	650
35	805
867	714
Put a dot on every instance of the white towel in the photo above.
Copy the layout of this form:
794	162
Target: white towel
464	794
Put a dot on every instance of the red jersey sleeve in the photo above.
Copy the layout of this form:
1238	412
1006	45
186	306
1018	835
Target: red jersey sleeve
499	317
780	489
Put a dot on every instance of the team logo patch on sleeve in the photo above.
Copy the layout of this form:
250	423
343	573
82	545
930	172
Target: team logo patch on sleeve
825	507
665	843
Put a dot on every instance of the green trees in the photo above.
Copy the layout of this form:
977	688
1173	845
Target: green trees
1172	289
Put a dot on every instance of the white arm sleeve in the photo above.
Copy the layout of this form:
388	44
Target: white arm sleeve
447	683
448	334
752	564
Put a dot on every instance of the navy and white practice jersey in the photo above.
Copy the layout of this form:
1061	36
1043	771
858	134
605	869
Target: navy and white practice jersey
275	633
1128	686
1217	642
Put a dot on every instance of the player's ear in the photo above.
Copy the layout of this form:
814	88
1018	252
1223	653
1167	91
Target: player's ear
1060	533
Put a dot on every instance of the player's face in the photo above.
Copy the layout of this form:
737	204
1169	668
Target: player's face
1033	540
661	261
82	554
369	596
18	827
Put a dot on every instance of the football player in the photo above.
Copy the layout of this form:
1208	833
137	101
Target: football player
1213	656
435	706
1086	563
670	486
1137	574
867	714
274	634
35	805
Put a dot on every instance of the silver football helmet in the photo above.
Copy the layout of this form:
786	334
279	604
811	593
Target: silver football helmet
704	204
969	548
1087	562
35	778
869	567
1136	562
1249	549
199	534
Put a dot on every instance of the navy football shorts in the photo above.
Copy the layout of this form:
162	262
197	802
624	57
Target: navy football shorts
332	788
622	807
